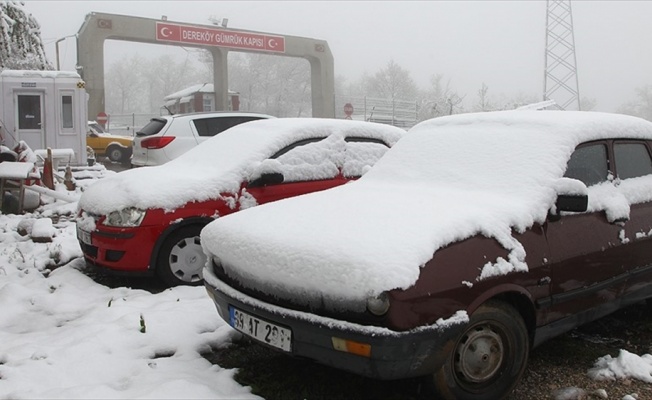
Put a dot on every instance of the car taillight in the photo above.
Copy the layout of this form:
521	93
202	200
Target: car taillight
156	142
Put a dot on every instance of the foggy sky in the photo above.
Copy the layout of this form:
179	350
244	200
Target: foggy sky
499	43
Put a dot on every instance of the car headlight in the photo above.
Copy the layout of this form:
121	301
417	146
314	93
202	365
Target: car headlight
127	217
378	305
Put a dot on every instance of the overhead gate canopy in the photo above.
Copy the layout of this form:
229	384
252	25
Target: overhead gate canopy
99	27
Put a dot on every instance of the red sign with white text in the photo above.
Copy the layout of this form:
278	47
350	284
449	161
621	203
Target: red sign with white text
219	37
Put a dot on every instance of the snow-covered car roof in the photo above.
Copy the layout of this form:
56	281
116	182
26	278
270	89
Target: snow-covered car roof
448	179
220	164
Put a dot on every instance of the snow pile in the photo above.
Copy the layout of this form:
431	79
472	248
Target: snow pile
575	393
224	161
65	336
448	179
626	365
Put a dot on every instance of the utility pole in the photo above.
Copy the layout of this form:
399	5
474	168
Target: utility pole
560	76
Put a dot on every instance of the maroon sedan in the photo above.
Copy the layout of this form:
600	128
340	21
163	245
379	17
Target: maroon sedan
474	239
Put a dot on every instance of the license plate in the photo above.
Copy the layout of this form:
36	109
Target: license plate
263	331
83	236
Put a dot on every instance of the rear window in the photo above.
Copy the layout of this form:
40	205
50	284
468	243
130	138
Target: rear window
153	127
215	125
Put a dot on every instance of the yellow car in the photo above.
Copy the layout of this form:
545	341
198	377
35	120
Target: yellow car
116	148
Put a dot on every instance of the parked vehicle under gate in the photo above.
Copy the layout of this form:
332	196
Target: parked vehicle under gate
114	147
166	138
474	239
147	221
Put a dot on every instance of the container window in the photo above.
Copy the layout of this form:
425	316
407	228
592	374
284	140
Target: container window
66	112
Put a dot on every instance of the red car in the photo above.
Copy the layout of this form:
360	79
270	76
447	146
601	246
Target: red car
147	221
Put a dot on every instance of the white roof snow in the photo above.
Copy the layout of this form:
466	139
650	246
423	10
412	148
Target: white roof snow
39	74
189	91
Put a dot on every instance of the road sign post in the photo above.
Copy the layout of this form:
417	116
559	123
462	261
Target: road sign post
348	110
102	118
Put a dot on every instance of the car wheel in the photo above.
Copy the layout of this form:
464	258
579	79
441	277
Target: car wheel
115	153
488	358
181	257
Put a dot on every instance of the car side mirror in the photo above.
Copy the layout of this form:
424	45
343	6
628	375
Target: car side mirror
572	196
268	178
572	202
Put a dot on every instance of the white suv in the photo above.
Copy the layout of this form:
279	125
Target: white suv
167	137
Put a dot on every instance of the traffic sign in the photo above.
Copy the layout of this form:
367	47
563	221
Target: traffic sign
102	118
348	109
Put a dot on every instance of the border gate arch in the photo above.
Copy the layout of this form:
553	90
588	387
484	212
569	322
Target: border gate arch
98	27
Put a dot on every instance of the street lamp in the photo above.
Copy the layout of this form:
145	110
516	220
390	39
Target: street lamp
56	44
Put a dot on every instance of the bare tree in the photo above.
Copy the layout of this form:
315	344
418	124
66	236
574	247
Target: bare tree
588	103
483	104
439	99
271	84
124	89
511	102
137	85
393	82
641	106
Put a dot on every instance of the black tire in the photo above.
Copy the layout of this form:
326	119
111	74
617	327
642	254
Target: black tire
115	153
181	259
488	358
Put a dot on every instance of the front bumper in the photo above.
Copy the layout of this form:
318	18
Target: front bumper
121	250
394	355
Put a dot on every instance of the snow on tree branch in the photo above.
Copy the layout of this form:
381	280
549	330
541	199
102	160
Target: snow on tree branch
21	46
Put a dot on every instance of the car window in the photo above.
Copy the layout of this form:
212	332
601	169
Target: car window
305	160
588	163
361	154
632	160
312	161
97	128
302	142
215	125
153	127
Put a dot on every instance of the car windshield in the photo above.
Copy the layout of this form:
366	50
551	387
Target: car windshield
97	127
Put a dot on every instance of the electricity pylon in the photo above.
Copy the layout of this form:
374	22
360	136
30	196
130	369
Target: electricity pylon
560	81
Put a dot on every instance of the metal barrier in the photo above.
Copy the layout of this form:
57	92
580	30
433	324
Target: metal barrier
397	112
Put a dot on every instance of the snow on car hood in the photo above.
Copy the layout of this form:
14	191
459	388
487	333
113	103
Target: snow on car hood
218	165
448	179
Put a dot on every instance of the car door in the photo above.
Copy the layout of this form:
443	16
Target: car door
585	248
634	180
305	166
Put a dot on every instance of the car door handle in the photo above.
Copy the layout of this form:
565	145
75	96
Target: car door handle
544	281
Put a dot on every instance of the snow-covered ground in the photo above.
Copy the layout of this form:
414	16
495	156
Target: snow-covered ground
63	335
